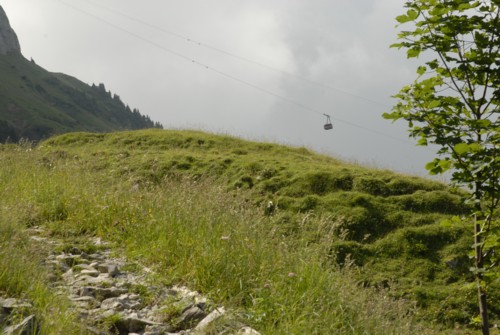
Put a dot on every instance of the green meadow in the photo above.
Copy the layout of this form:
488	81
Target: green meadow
342	249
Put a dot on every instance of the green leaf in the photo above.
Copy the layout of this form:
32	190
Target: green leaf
412	14
434	104
444	164
433	64
403	18
475	147
421	70
411	53
430	165
422	141
461	148
464	6
391	116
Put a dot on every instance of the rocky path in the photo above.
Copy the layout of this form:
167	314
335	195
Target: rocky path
112	296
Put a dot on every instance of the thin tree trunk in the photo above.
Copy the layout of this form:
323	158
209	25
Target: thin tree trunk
483	307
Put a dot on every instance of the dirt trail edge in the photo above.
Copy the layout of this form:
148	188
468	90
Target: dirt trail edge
113	296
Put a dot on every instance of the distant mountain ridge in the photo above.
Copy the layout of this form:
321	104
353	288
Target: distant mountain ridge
36	104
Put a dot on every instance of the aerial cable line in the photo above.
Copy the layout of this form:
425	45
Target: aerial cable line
231	54
228	76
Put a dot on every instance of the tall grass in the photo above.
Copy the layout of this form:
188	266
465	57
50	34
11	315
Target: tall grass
23	276
191	231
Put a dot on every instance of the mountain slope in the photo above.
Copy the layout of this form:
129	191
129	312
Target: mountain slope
388	225
36	104
342	249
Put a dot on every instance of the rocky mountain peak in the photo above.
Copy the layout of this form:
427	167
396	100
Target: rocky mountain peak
9	44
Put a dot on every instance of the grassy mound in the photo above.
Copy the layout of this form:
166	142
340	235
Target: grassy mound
343	249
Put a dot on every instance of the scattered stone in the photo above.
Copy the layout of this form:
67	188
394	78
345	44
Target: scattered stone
214	315
10	304
113	304
90	272
38	238
68	275
69	260
247	331
87	291
86	302
111	269
135	324
106	299
111	292
190	317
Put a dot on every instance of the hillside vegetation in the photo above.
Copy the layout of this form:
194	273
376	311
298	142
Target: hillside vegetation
343	249
36	104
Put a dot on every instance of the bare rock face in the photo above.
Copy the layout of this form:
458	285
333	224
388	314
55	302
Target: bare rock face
9	44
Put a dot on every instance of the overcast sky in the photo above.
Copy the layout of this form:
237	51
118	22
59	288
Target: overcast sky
258	69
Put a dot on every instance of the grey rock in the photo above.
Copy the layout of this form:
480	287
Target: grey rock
214	315
113	270
90	272
111	292
68	275
85	280
135	325
99	314
57	265
109	268
69	260
10	304
113	304
190	317
87	291
96	257
85	298
247	331
121	303
86	302
159	330
134	296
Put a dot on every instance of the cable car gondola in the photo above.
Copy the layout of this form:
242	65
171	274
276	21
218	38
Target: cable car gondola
328	125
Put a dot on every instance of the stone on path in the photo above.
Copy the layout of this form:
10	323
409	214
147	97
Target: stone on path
190	317
247	331
214	315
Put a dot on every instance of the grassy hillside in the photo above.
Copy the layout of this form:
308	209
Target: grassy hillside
343	249
35	104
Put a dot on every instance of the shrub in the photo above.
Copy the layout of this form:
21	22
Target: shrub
343	252
374	186
408	185
323	182
309	203
431	201
360	223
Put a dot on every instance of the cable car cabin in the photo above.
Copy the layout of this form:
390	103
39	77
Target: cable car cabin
328	125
